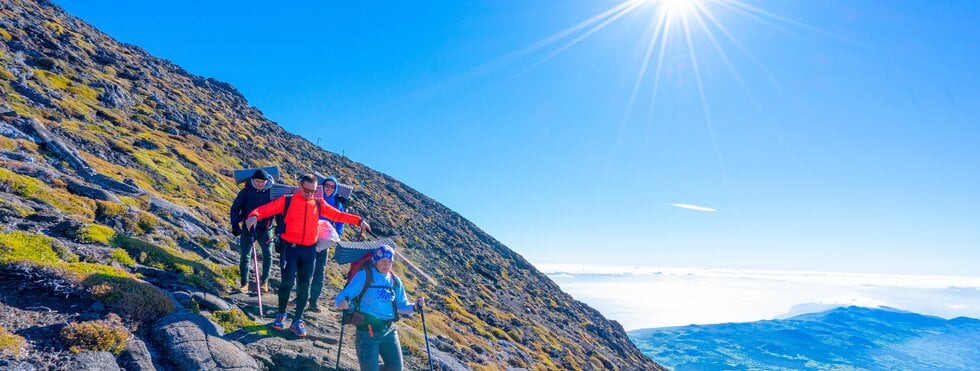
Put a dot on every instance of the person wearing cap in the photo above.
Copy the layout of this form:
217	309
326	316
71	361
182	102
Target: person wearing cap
256	193
377	294
329	186
299	238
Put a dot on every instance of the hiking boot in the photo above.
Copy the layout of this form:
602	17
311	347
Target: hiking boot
279	323
243	289
298	328
314	308
265	288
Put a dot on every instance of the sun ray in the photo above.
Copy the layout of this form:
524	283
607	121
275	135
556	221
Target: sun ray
659	21
578	39
731	38
656	76
724	57
703	98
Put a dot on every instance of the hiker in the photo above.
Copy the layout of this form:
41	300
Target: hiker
330	196
378	295
256	193
300	211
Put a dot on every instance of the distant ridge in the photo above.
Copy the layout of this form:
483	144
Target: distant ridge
844	337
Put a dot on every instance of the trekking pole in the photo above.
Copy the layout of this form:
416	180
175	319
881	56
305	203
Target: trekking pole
340	342
258	279
425	333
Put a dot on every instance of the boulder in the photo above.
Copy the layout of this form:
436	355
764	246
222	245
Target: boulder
210	302
95	361
192	342
94	193
136	356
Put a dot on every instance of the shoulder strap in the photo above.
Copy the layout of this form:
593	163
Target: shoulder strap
394	305
281	218
368	280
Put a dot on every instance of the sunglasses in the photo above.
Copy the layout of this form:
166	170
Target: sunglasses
328	185
307	190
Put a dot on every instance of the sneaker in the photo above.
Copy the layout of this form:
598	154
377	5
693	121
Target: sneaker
279	323
298	328
314	308
265	288
244	288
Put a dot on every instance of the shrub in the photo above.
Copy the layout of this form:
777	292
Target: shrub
231	274
107	335
140	301
11	344
122	257
109	210
147	222
95	233
232	319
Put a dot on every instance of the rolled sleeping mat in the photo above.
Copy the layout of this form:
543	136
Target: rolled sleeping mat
279	190
349	251
241	175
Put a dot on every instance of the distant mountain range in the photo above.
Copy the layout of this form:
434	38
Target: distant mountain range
845	337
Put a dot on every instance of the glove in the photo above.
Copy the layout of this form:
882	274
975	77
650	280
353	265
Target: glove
236	230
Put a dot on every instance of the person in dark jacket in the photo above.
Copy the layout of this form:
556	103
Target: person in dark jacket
256	193
330	195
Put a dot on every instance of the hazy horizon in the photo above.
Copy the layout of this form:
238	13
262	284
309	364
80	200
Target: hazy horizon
651	297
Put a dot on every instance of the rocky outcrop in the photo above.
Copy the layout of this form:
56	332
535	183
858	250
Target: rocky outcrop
192	342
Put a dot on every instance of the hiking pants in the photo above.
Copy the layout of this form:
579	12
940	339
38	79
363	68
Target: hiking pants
246	242
297	264
386	344
318	271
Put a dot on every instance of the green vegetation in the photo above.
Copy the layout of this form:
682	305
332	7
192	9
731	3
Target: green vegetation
61	199
11	344
107	335
231	274
193	267
122	257
138	300
232	319
109	210
95	233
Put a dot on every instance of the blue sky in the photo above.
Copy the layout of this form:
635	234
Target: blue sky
847	140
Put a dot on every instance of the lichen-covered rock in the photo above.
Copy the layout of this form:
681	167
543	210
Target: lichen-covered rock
192	342
136	356
95	361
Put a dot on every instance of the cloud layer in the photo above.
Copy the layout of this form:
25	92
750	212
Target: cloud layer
644	296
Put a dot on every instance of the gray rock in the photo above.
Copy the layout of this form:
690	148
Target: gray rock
113	96
95	361
94	193
277	353
210	302
136	356
191	342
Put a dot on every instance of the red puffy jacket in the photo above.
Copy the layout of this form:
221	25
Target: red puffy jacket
301	219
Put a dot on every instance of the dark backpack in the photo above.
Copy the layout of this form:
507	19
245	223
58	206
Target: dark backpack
281	222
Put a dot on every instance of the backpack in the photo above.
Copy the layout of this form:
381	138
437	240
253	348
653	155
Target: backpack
281	223
368	279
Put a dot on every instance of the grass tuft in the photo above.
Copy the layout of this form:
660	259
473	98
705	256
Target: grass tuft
108	335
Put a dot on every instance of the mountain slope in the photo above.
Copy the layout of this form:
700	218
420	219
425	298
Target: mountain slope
117	169
851	337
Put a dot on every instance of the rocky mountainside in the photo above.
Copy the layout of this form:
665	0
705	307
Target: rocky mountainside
841	338
115	248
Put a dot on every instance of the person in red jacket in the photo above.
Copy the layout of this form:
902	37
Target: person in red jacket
299	239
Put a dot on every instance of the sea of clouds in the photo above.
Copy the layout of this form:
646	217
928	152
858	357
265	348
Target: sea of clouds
645	296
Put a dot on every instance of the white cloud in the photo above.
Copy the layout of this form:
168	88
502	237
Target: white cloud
645	296
692	207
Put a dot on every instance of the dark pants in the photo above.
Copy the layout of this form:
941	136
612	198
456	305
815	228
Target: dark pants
246	242
318	271
296	264
384	343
